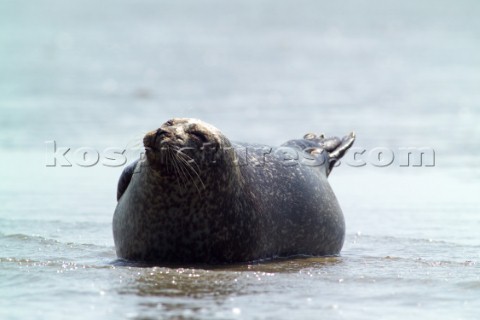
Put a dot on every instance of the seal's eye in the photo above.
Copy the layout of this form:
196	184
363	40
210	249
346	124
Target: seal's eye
200	136
169	123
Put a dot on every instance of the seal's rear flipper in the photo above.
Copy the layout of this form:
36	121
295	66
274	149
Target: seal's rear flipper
334	146
340	148
336	149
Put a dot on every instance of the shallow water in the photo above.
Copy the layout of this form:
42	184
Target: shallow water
100	75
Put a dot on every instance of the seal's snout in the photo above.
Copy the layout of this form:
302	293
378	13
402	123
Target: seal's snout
149	139
161	135
152	138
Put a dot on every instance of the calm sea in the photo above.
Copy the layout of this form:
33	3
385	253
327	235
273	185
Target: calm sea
99	74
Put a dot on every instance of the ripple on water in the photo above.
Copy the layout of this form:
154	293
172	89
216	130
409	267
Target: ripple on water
28	250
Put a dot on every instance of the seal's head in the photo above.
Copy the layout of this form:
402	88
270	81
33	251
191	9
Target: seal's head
181	145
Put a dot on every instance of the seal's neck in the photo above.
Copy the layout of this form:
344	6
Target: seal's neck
212	181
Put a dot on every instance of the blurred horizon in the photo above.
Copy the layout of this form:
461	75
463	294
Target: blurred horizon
105	73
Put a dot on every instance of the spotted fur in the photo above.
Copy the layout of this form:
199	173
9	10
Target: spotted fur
235	202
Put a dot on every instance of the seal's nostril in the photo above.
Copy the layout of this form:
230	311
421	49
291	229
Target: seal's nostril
161	134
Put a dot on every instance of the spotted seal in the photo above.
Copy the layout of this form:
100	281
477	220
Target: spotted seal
197	197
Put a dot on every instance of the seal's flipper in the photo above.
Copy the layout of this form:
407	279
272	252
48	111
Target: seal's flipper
337	148
334	146
125	178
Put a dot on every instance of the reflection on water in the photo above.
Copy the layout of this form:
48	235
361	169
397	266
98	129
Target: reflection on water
195	283
192	291
186	290
218	283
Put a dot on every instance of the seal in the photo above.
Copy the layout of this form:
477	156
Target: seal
197	197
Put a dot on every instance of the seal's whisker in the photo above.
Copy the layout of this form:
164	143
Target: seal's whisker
174	166
185	168
189	168
188	162
164	157
133	145
192	179
174	158
182	177
138	144
135	142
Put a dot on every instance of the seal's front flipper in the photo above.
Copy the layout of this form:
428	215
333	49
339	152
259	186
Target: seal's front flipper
125	178
337	148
